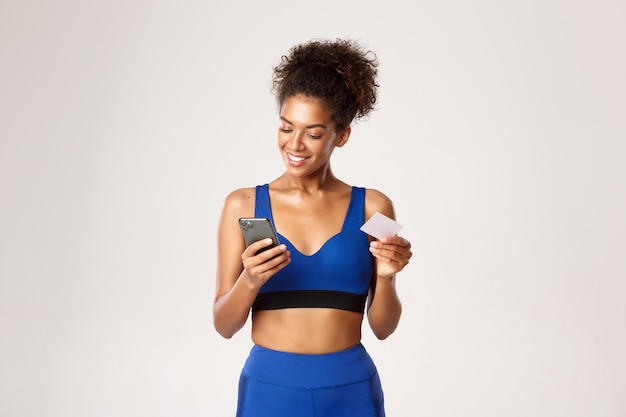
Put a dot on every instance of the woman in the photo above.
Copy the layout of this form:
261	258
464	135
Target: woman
308	295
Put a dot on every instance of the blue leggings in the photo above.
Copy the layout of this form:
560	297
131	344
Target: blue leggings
281	384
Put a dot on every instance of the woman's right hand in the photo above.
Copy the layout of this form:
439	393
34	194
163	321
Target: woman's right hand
261	267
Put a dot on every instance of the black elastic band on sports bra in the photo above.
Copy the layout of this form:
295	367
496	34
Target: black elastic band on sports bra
310	298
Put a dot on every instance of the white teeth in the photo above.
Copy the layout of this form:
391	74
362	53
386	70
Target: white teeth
295	158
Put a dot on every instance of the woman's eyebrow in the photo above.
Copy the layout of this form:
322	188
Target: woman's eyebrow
323	126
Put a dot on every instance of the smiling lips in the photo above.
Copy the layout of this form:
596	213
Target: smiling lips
295	160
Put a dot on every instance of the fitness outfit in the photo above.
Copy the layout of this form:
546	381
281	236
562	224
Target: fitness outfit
338	384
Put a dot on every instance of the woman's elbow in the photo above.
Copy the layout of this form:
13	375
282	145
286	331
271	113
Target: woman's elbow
385	327
226	326
225	331
383	333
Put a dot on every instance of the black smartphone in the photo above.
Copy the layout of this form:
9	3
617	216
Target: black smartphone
258	228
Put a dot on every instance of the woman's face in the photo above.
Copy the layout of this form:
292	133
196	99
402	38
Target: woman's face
307	135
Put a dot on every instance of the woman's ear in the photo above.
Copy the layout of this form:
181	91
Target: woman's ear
343	137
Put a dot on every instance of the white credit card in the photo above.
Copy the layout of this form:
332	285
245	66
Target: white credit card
381	226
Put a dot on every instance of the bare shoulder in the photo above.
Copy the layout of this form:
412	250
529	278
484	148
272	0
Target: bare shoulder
237	204
376	201
240	202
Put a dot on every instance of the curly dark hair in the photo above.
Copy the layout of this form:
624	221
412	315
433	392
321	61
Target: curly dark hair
339	72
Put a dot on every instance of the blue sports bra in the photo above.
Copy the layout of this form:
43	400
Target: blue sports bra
338	275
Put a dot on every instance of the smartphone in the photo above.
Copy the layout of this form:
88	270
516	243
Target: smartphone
258	228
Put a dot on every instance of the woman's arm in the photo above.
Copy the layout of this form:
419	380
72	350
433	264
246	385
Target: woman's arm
240	273
391	255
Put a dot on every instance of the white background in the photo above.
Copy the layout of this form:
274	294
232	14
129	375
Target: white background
500	135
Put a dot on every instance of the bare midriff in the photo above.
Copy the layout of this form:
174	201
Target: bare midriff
307	330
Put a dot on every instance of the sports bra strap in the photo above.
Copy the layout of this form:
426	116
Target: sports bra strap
355	216
262	203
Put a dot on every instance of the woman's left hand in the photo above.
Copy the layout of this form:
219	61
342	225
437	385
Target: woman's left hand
392	255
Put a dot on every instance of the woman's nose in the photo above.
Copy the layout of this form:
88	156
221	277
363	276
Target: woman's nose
296	142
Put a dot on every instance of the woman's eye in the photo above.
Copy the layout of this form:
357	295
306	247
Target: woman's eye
285	130
312	136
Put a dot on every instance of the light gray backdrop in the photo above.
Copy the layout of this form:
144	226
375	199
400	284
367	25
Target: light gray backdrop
500	135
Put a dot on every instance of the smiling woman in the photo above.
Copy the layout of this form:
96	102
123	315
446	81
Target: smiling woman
307	135
308	296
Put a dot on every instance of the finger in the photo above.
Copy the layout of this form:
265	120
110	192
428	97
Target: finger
389	256
396	240
389	246
258	246
398	245
394	264
390	252
264	271
267	261
271	252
